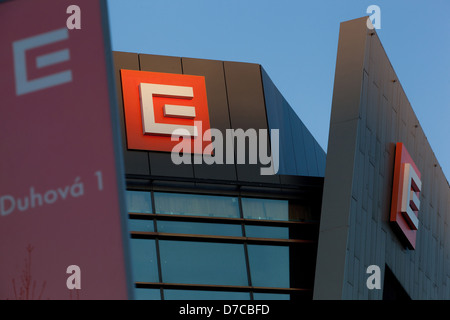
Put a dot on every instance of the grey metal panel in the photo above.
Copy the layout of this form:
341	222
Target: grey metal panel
331	268
335	212
278	117
298	141
136	162
247	110
160	162
299	152
286	139
311	159
320	159
219	116
273	101
157	63
350	69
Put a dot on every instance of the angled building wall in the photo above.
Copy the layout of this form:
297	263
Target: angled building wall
370	114
300	153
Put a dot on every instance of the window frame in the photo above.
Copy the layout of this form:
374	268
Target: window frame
307	224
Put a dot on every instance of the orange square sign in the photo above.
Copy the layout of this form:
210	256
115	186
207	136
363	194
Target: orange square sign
162	108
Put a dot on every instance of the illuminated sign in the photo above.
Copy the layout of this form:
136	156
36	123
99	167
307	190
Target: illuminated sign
405	196
156	104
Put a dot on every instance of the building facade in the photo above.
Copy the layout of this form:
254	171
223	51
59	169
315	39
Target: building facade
224	231
370	115
311	231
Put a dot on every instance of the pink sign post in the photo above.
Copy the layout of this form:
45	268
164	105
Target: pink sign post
61	174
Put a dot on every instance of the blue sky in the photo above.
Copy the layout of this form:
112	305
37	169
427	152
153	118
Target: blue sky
296	43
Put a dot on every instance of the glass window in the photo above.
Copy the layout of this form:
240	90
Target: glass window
269	265
271	296
267	209
267	232
143	260
140	225
171	294
215	229
147	294
196	205
139	201
203	263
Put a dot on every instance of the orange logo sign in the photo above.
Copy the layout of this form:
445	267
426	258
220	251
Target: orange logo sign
405	196
156	104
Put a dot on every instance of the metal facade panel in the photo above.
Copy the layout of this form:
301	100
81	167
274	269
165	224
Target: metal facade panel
314	154
279	117
311	160
247	111
157	63
300	154
300	151
321	158
349	70
216	90
136	162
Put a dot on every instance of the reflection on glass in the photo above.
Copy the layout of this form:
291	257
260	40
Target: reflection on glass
203	263
271	296
140	225
267	232
197	205
147	294
139	201
143	260
171	294
269	265
201	228
267	209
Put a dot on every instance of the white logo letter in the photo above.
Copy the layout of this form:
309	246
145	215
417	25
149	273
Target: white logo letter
410	201
147	91
23	85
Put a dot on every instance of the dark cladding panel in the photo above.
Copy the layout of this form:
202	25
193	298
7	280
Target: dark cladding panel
160	162
300	154
278	117
300	150
333	263
247	111
311	159
348	73
218	112
136	162
321	159
156	63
